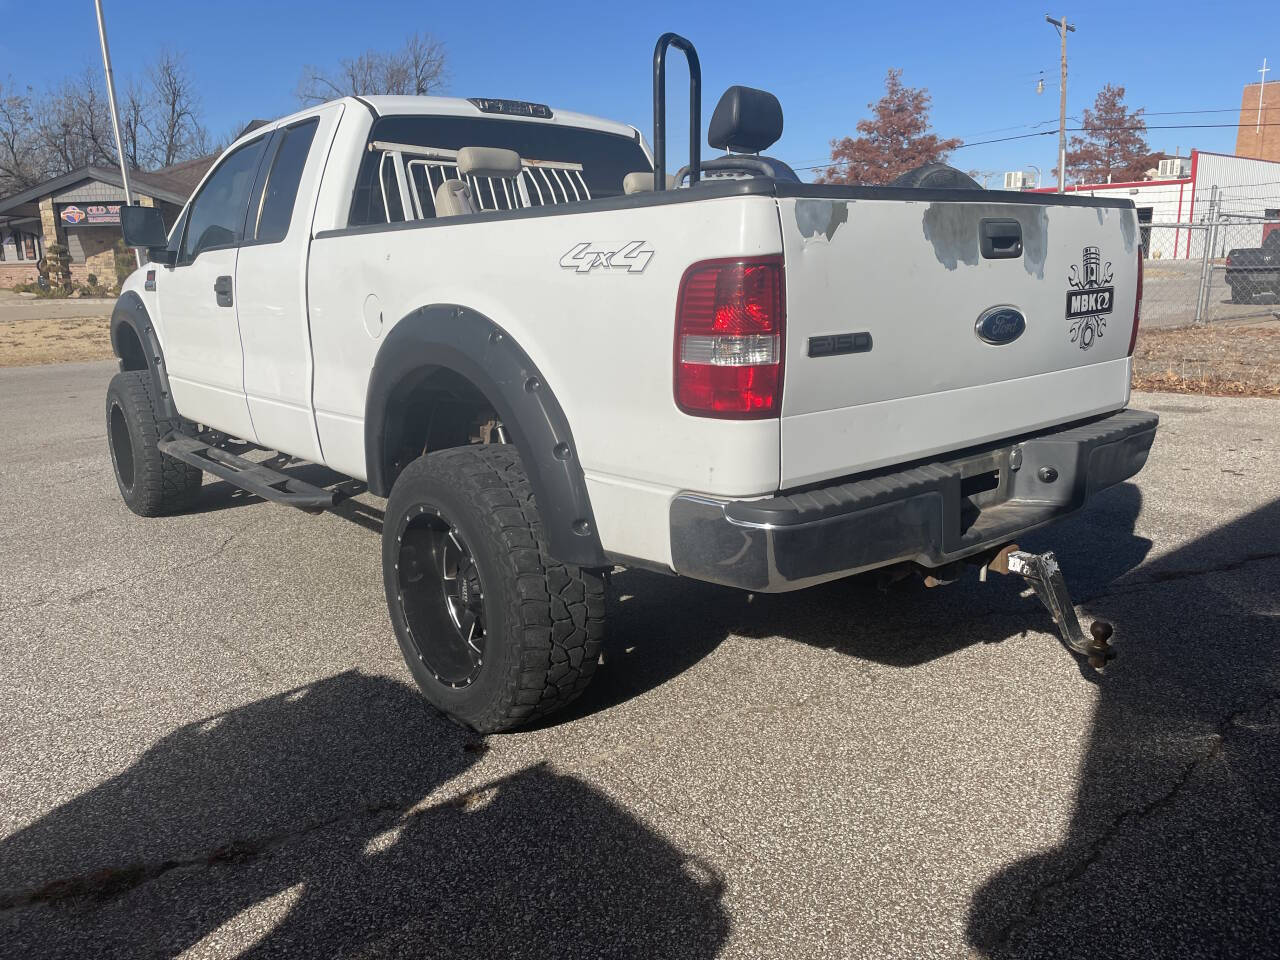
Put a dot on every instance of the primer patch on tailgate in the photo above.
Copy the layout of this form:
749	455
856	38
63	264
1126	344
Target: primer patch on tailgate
815	217
1128	224
952	228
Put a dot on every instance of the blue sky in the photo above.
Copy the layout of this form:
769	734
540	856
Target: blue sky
825	62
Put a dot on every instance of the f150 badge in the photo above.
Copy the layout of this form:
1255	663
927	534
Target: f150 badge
632	256
1090	298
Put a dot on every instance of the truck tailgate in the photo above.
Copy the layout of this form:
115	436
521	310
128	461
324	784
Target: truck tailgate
887	355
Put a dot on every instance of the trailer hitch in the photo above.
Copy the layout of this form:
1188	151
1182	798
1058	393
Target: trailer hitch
1041	570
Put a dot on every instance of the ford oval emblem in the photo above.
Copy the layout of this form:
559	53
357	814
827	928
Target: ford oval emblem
1000	325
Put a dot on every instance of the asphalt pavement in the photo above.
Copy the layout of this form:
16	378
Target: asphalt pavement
210	746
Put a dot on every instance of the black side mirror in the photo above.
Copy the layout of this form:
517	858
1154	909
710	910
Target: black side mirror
143	227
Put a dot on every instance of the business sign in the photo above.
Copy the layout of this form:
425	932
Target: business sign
90	214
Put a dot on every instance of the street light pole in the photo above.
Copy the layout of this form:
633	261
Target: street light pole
1063	29
115	116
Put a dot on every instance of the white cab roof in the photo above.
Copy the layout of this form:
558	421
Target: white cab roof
456	106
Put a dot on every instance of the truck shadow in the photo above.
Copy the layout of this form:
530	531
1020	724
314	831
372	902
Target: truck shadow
304	823
1173	848
660	626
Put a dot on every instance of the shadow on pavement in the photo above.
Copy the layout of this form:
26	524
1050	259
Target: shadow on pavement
1174	846
660	626
303	825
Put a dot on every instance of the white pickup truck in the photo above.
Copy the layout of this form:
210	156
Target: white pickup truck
553	359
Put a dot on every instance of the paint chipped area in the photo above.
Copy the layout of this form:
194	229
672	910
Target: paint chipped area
953	230
815	218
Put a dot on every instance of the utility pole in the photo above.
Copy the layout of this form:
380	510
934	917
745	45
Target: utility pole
1264	71
115	116
1063	29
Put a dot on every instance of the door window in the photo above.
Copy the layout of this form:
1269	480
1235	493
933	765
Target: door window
216	216
276	210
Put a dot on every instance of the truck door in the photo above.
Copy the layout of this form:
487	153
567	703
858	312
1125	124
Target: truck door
197	298
271	281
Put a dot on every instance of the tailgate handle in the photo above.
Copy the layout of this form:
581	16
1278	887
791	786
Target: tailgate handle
1001	239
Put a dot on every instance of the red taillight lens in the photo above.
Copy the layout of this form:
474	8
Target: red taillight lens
729	339
1137	304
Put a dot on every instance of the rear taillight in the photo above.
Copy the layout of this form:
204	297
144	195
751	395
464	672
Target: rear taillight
729	339
1137	305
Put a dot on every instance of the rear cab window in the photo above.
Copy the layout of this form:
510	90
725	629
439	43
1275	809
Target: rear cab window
562	164
275	208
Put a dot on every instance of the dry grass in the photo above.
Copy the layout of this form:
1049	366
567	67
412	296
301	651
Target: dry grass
28	342
1218	361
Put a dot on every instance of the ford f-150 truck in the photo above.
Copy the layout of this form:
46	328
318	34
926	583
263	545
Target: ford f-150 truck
553	359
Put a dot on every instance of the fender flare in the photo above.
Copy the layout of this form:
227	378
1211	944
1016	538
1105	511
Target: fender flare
131	313
462	340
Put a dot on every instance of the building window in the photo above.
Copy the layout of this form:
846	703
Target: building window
30	243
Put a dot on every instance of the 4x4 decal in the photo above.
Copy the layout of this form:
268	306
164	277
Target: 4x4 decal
632	256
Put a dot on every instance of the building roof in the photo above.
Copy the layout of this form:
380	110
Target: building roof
172	184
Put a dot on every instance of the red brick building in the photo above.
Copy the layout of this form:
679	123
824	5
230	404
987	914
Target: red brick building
1259	132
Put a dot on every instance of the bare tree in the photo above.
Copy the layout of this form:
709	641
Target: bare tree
21	162
417	68
68	125
73	125
135	110
174	126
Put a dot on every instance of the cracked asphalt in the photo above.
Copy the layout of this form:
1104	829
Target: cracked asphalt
209	746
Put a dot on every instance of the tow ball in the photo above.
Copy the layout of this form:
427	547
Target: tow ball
1041	570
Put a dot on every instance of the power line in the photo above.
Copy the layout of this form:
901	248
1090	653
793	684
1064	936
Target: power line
1049	133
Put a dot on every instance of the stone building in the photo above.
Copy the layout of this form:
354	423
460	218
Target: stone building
81	211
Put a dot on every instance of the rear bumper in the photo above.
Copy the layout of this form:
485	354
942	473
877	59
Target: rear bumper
929	513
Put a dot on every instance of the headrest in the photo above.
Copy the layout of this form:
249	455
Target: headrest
641	181
488	162
746	120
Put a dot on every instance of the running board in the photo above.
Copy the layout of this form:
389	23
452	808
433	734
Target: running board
256	478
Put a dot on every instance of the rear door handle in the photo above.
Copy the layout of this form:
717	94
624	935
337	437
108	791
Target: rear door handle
222	291
1001	239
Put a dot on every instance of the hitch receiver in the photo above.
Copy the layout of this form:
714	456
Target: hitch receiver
1044	574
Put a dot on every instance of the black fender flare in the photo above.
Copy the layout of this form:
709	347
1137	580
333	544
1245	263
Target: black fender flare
130	313
471	345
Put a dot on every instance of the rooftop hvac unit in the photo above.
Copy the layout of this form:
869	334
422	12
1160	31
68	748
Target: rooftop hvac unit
1015	180
1173	168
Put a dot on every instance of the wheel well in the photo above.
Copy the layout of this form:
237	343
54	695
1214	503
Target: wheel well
434	408
129	348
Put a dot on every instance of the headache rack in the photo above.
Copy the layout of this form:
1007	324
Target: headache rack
410	175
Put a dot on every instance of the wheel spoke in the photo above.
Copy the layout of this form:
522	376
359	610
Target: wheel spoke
445	615
469	628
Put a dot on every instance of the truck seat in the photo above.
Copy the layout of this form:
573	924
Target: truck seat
453	197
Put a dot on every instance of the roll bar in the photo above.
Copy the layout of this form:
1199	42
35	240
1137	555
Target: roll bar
660	109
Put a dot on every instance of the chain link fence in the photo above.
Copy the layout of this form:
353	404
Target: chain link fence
1223	267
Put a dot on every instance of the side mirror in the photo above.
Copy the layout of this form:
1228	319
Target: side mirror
143	227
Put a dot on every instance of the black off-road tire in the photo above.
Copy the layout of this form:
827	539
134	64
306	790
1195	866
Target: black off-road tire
543	620
151	483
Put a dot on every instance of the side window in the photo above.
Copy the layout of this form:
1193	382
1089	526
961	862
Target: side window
281	191
216	216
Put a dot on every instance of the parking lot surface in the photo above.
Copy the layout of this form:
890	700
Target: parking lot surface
211	748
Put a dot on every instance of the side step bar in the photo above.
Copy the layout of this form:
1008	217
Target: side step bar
256	478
